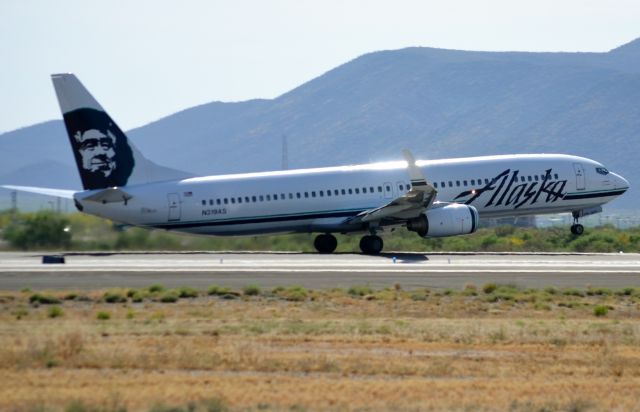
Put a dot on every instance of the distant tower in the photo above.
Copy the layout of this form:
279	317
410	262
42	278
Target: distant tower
285	153
14	205
14	201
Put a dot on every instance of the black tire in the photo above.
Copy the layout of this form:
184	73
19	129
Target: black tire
371	245
325	243
364	245
577	229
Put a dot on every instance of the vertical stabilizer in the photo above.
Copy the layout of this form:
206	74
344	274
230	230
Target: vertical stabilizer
104	155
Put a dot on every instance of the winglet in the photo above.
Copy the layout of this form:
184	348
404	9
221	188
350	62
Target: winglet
415	174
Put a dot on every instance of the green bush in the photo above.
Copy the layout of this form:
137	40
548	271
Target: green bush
44	229
294	294
625	291
156	288
360	290
218	290
114	297
187	292
573	292
169	297
55	312
137	297
600	310
102	315
100	234
251	290
37	298
489	288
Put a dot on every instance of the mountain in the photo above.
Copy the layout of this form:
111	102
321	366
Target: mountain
439	103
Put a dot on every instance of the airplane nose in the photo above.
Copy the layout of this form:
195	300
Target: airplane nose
621	182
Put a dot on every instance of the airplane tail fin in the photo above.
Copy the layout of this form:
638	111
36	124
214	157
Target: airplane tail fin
104	155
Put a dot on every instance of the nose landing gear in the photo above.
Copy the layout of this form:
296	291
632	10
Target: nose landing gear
577	229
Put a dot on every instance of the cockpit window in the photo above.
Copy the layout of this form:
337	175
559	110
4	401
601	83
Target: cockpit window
602	170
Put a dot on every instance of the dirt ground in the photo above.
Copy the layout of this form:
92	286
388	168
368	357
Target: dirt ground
337	350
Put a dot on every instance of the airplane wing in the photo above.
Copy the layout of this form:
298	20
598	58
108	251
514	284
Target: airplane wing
67	194
410	205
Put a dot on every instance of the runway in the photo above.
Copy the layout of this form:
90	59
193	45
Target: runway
410	270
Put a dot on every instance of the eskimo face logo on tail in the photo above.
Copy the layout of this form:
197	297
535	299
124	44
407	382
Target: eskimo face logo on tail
103	156
508	189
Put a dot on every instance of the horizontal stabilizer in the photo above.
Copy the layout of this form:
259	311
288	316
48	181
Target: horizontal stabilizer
66	194
110	195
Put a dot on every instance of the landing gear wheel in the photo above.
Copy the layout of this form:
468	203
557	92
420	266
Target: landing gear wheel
577	229
371	245
325	243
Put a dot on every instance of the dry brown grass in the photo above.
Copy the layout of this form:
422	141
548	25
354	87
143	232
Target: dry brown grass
332	351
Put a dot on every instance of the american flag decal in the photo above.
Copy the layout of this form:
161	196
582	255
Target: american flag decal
188	194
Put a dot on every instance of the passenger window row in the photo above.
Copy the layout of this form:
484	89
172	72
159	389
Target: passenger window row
298	195
474	182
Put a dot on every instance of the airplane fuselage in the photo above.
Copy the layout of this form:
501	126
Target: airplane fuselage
319	200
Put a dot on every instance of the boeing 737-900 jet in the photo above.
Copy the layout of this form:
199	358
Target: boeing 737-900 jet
433	198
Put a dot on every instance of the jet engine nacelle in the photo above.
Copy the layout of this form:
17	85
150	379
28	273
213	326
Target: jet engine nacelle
450	220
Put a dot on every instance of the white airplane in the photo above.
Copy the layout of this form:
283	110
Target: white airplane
433	198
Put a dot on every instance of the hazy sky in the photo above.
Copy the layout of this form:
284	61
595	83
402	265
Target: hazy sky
146	59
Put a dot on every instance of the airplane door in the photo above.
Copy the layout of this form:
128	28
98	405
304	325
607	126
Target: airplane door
387	188
174	206
580	180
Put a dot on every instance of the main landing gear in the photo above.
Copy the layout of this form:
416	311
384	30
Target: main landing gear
371	245
577	229
327	243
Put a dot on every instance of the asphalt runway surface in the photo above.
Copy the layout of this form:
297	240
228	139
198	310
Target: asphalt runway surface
410	270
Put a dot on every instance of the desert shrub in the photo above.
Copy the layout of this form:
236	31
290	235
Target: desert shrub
114	297
103	315
218	290
55	312
600	310
38	298
489	288
599	292
360	290
504	231
38	230
169	297
573	292
251	290
138	296
208	405
625	291
187	292
294	293
156	288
